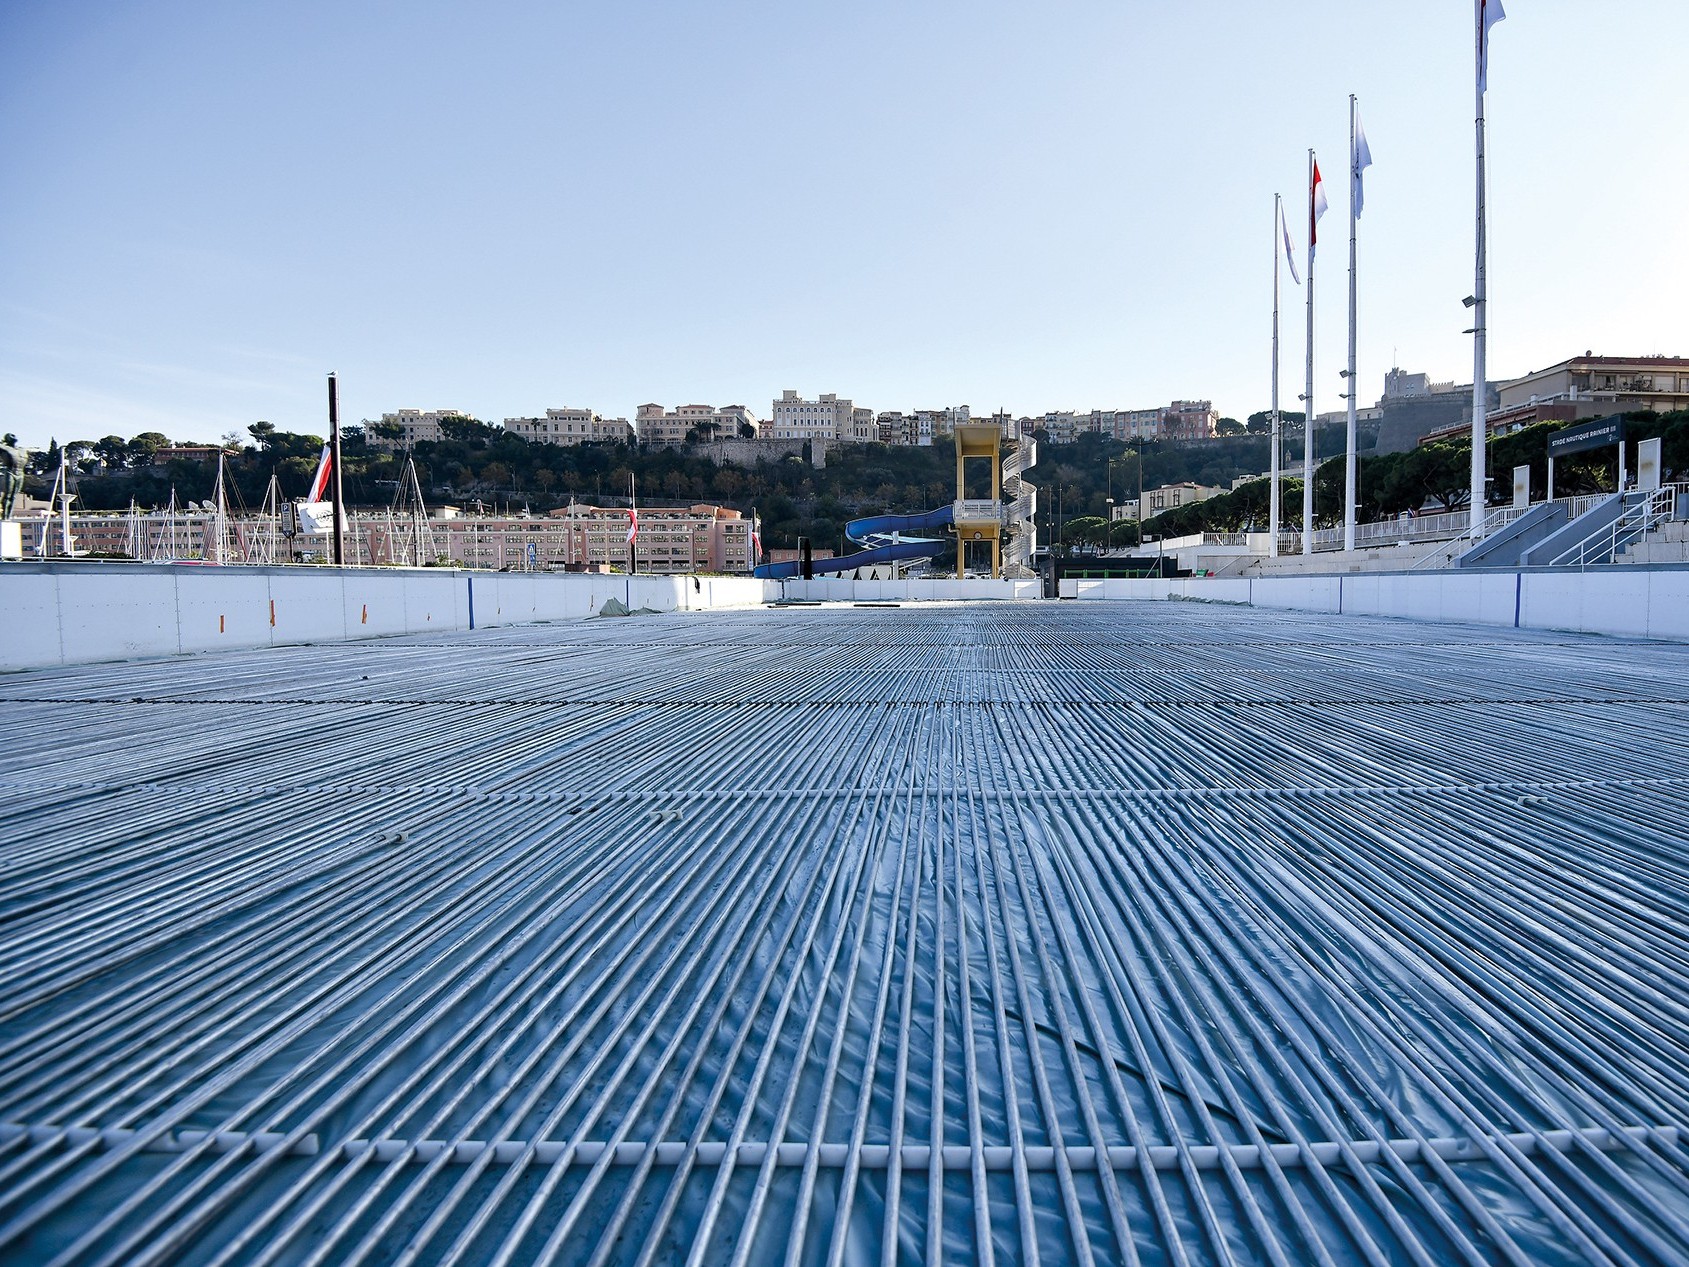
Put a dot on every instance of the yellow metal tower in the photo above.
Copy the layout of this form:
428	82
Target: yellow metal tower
979	519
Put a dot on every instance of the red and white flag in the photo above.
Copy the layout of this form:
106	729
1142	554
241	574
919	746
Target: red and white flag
1489	13
756	539
633	524
1317	207
1289	249
319	483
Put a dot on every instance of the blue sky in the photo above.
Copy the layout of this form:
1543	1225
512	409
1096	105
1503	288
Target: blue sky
510	206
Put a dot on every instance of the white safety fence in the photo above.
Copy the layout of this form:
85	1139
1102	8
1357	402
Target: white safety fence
80	613
1634	601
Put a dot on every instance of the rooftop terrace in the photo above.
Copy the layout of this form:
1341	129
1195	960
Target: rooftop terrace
1063	933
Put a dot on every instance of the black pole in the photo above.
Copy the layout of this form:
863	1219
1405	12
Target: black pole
334	459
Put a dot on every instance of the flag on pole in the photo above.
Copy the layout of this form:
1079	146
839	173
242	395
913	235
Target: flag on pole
633	524
1289	249
319	482
1489	13
756	539
1361	159
1317	207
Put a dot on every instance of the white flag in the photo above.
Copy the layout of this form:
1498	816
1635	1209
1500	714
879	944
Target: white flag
1489	13
1289	249
1361	160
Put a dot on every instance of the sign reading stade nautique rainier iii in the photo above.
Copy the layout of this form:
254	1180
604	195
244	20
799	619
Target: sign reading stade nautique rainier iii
1595	434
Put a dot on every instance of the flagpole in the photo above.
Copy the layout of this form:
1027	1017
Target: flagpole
1480	430
334	474
1350	470
633	527
1308	399
1273	507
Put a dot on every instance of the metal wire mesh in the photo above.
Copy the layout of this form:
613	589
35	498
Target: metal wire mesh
1015	933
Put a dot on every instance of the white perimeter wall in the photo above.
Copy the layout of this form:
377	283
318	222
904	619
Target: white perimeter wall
80	613
1637	602
831	589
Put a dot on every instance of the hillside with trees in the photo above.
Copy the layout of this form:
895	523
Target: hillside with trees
1433	477
479	466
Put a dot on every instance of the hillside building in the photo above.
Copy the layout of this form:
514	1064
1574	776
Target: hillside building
570	426
671	428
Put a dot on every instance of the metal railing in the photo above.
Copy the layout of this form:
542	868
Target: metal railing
1603	544
1494	521
1443	526
976	509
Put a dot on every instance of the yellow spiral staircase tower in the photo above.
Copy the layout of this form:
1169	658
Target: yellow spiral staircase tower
978	519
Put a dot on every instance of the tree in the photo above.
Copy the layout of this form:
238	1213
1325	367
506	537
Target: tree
262	432
1085	530
142	447
113	451
1229	427
463	428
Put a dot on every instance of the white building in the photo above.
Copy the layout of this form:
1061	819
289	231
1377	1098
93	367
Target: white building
828	419
671	427
570	426
414	426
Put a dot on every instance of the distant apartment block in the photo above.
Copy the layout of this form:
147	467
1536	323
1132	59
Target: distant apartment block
1138	424
1190	420
570	426
672	540
1591	386
1181	420
414	426
190	452
670	428
893	427
1167	497
827	418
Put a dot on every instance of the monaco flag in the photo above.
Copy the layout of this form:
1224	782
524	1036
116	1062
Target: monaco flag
756	540
1317	207
1489	13
633	524
319	483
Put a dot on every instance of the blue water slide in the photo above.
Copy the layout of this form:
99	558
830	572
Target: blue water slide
888	538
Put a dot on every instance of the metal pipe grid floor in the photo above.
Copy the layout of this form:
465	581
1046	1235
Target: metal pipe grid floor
1145	933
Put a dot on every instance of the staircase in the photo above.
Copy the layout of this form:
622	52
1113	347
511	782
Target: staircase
1022	498
1603	535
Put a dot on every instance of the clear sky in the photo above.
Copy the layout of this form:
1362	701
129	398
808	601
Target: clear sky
500	207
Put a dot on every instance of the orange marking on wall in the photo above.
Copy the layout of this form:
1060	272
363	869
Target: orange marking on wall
220	628
364	619
272	613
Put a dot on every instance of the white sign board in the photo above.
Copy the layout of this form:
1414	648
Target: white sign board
315	518
1521	487
1648	465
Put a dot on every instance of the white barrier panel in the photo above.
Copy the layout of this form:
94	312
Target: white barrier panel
75	613
214	610
113	616
835	589
1627	602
